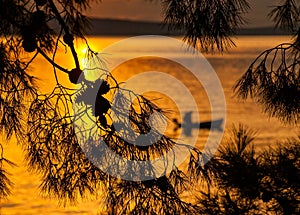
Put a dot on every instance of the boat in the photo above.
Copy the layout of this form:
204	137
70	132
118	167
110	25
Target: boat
188	125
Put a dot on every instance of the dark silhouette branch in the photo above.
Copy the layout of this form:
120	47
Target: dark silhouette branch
66	29
237	179
51	61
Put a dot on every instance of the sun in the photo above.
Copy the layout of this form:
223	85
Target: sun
90	64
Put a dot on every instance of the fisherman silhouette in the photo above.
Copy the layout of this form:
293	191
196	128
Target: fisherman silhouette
187	125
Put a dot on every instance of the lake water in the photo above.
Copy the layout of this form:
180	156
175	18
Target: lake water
26	198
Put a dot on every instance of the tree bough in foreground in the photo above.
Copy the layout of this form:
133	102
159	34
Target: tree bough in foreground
43	123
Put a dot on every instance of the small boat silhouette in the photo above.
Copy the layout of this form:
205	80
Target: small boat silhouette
187	125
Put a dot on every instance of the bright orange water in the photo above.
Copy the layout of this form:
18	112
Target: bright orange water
26	198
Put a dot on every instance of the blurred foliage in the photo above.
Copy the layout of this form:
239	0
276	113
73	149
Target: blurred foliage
207	25
273	79
286	15
250	182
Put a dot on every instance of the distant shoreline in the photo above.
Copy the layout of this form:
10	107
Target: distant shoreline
115	27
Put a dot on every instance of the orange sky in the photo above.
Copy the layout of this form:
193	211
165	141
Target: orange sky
146	10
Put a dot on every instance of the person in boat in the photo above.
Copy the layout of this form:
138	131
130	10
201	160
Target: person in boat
188	125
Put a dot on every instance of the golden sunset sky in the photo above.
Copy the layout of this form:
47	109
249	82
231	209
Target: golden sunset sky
151	11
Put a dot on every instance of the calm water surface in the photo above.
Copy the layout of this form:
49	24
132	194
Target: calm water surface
26	197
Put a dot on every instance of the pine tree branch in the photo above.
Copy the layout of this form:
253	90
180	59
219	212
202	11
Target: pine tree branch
67	31
51	61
